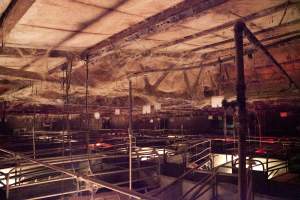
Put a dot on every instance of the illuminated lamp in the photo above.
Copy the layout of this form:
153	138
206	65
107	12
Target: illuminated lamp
216	101
98	144
59	101
157	106
151	121
117	111
283	114
146	109
97	115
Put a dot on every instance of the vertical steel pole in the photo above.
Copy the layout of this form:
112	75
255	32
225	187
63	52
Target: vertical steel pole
64	109
130	134
67	101
87	136
242	113
225	130
225	123
33	134
7	186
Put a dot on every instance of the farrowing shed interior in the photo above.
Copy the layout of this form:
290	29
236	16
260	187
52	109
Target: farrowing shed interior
150	99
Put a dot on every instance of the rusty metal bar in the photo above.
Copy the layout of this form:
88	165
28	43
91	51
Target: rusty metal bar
242	113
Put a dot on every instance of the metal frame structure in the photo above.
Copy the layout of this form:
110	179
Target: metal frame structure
239	29
89	180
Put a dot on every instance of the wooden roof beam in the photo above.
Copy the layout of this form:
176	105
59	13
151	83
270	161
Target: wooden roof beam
15	11
24	74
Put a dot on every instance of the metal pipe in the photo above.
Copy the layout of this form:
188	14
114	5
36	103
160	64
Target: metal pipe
130	134
7	186
194	186
33	135
69	178
90	180
225	123
57	194
75	158
87	134
242	113
86	104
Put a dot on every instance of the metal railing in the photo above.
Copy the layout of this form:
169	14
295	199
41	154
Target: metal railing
91	180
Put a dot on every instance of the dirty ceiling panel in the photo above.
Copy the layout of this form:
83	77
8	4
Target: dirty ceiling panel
131	37
75	25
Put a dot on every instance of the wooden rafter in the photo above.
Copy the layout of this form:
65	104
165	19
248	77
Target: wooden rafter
187	83
159	80
24	74
12	15
196	83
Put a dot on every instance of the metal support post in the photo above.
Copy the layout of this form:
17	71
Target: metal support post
87	136
130	134
215	188
33	134
7	185
242	113
225	123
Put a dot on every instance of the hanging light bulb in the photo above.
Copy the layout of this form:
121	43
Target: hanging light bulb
97	115
146	109
157	106
117	111
216	101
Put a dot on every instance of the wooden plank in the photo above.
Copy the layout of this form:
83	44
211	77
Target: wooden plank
12	15
24	74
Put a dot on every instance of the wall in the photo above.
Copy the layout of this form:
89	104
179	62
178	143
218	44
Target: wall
271	122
